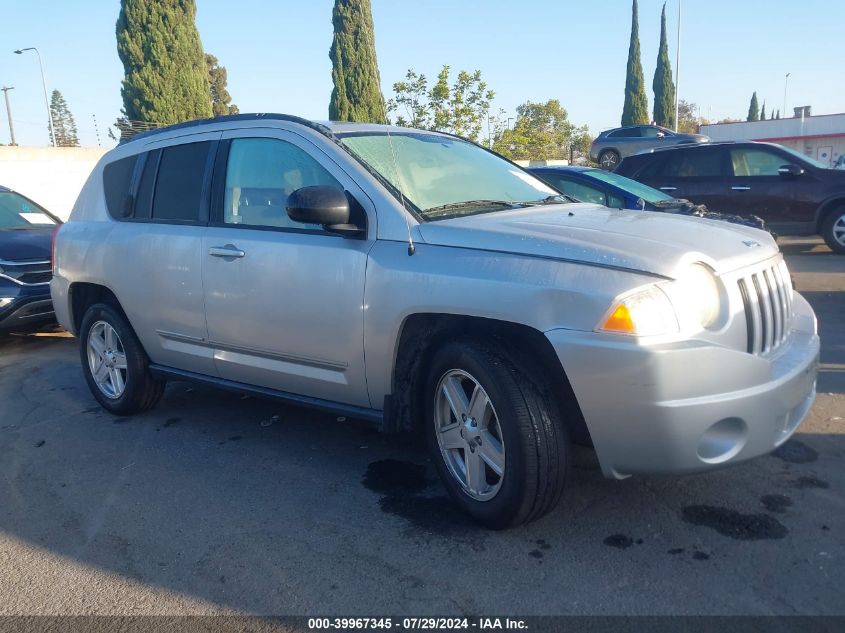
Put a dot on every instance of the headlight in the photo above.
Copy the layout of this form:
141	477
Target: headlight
646	312
697	297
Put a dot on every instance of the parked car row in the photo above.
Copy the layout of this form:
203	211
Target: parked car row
612	146
417	280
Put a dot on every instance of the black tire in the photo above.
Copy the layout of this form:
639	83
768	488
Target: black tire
142	391
609	159
833	225
537	455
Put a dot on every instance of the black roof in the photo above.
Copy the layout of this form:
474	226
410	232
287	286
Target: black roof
230	117
680	146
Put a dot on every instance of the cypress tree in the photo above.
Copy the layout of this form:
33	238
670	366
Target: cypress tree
166	79
63	121
763	112
753	109
663	86
778	115
635	110
218	79
356	95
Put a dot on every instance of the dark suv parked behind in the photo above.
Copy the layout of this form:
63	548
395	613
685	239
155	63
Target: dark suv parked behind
793	193
26	231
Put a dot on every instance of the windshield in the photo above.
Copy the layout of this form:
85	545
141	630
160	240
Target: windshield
16	212
804	157
446	177
633	187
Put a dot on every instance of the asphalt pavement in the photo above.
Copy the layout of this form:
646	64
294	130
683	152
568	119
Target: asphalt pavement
218	503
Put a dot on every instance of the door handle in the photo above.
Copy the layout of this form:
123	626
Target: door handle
668	189
226	252
740	188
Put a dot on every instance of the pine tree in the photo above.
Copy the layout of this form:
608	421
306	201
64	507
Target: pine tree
763	112
356	95
635	110
218	79
63	122
663	86
166	78
753	109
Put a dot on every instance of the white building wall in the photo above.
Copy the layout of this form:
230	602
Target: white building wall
51	176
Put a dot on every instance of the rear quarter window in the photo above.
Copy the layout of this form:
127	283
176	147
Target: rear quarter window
117	178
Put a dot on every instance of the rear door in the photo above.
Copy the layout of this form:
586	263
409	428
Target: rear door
697	174
156	271
284	300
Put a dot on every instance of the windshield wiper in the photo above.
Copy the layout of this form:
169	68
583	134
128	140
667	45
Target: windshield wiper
443	209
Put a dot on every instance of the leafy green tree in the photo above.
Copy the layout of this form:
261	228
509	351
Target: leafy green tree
663	86
218	79
688	117
753	109
542	131
166	78
635	110
63	122
356	95
763	112
460	108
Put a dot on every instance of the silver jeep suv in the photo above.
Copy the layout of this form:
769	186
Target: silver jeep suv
417	280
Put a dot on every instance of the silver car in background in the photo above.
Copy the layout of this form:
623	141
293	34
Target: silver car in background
419	281
611	146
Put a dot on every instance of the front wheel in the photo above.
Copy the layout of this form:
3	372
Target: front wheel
833	230
115	365
499	445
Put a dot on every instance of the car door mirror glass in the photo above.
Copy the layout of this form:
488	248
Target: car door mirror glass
324	205
790	170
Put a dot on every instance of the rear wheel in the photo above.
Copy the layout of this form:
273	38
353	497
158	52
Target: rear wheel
609	159
499	445
833	230
115	365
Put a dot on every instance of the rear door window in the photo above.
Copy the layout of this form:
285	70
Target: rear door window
628	132
179	187
695	163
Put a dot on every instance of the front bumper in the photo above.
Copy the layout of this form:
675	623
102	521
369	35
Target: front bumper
23	306
691	406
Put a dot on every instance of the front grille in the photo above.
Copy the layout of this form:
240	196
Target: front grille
28	272
767	297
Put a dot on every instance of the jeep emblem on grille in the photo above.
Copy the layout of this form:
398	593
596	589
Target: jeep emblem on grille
751	243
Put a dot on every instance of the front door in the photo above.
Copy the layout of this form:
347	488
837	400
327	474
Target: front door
284	300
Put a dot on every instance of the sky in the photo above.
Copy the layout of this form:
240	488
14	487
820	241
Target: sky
276	53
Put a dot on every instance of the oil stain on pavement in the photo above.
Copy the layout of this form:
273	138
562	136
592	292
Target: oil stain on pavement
402	484
776	503
736	525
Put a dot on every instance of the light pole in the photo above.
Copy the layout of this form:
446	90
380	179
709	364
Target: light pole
678	66
6	90
785	84
20	51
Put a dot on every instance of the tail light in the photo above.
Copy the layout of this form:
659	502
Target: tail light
53	248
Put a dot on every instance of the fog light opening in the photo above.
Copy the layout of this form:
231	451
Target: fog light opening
722	441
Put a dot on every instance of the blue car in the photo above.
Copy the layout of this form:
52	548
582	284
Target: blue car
590	184
26	232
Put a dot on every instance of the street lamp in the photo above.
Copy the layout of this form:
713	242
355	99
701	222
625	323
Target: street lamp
20	51
6	90
785	84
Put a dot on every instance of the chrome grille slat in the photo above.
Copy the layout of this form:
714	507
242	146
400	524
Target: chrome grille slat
767	299
27	272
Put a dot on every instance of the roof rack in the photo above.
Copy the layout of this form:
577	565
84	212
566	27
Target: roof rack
227	118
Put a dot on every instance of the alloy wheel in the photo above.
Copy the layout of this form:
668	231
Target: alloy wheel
107	359
469	434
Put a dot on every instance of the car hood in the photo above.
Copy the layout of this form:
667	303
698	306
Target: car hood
642	241
18	244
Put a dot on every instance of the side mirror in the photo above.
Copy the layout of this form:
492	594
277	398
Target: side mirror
661	135
790	171
322	205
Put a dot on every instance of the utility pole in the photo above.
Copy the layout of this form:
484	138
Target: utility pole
20	51
6	90
97	130
678	66
785	84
